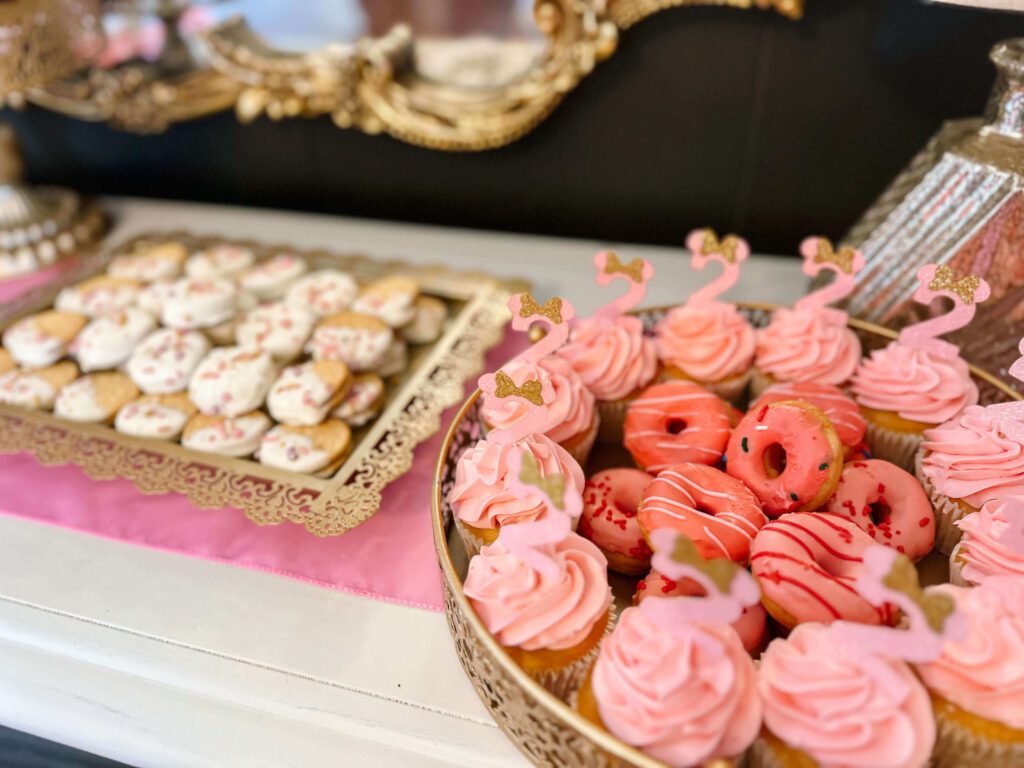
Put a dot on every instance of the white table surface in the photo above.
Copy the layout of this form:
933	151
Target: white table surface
156	659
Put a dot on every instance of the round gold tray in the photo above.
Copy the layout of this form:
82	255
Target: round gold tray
546	730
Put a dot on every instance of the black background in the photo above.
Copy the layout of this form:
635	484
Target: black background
742	120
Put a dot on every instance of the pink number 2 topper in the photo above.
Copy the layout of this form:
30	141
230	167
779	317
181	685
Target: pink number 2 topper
819	255
965	292
730	252
728	588
933	618
638	273
531	542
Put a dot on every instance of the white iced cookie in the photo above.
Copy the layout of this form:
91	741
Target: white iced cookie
150	262
326	291
198	303
162	417
109	341
231	381
36	389
270	279
96	397
152	297
164	361
40	340
305	394
363	401
392	299
280	329
427	322
6	361
98	295
222	260
238	436
306	449
396	358
359	341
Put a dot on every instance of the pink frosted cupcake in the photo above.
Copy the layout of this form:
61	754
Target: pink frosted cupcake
824	705
705	340
902	391
804	346
481	500
609	351
571	418
964	463
992	543
549	621
682	699
977	684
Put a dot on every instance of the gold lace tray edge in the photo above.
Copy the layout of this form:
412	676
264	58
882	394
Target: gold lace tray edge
543	728
268	496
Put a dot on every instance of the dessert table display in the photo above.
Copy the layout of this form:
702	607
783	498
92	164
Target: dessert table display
134	651
599	598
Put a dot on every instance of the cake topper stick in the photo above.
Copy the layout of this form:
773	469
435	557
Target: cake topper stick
965	292
819	254
730	252
1010	416
890	577
637	272
527	541
729	589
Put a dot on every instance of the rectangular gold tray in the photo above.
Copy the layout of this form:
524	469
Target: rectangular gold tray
382	450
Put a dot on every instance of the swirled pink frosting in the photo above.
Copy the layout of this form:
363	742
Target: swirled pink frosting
915	383
969	458
672	697
571	412
823	701
984	674
708	342
983	553
480	496
611	355
527	610
807	346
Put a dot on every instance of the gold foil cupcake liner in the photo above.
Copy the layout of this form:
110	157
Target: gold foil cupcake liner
612	414
957	746
956	568
759	382
898	448
762	755
566	681
472	542
947	511
732	389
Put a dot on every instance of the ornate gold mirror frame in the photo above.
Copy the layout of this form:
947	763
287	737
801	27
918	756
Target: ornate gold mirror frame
372	85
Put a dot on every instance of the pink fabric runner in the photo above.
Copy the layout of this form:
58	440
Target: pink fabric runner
14	287
390	557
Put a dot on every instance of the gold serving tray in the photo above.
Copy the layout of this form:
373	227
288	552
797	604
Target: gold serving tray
382	451
545	729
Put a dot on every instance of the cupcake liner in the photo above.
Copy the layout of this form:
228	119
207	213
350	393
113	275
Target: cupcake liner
956	745
956	568
898	448
581	449
566	681
469	541
947	511
732	390
761	755
759	382
612	414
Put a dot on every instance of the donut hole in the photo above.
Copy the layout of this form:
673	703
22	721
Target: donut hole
675	426
879	512
774	460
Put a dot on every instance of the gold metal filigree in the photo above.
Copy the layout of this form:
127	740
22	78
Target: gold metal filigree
947	280
324	506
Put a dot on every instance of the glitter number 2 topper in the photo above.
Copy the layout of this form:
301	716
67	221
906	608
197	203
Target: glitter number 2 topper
730	252
965	293
637	272
819	254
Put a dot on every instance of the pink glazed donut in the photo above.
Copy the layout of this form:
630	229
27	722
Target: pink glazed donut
806	563
888	503
841	410
750	626
677	422
609	520
788	454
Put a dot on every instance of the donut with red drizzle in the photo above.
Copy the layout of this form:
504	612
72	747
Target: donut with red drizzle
610	501
788	454
840	409
716	511
676	422
888	503
806	564
751	626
